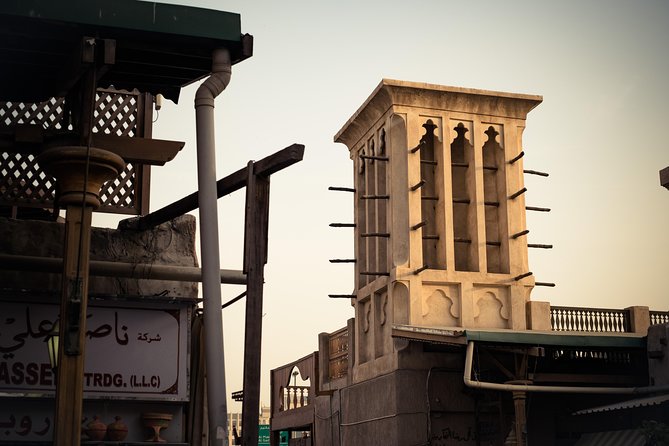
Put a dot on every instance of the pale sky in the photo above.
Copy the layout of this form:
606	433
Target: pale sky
601	67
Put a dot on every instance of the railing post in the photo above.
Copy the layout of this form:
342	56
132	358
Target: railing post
351	348
323	359
639	319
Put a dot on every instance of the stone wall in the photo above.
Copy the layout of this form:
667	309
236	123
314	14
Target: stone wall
172	243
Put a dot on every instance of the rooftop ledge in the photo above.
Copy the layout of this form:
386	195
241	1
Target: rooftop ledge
461	335
439	98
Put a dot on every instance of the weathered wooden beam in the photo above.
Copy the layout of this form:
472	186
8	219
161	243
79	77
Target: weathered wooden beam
520	234
419	225
255	258
538	209
225	186
376	234
421	269
535	172
515	195
227	304
418	185
539	245
516	158
372	157
341	189
548	284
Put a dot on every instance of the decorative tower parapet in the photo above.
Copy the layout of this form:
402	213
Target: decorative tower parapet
440	229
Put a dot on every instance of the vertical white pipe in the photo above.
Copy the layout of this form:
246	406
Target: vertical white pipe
211	282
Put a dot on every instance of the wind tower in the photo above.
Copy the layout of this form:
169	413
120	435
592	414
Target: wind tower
440	228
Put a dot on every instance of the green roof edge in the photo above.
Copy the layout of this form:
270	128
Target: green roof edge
132	15
568	339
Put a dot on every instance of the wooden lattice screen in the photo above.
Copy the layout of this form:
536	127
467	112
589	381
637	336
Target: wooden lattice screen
119	113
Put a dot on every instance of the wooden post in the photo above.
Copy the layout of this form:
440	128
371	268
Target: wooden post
80	171
74	286
274	438
70	375
143	173
65	163
519	397
255	258
520	418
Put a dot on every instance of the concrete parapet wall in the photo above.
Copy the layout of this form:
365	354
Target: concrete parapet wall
639	319
538	315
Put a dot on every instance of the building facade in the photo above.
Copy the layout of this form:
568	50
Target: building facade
446	346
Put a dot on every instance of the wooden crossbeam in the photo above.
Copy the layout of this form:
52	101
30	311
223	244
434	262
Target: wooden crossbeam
225	186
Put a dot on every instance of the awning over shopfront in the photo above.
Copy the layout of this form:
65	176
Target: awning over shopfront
40	41
460	336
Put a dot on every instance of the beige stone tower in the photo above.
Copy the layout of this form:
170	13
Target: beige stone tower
440	231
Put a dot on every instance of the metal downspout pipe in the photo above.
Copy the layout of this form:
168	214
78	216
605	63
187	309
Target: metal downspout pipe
211	282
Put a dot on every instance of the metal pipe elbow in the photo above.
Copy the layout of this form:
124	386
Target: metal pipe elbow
219	79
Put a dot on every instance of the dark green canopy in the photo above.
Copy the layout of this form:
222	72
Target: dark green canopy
159	48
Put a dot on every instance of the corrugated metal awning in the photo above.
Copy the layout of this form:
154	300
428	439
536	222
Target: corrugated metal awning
613	438
629	404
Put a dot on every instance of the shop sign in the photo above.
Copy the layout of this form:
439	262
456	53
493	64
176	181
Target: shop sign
130	352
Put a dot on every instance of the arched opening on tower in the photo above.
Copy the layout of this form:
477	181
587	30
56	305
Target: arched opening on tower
462	157
372	242
431	202
382	205
361	213
494	192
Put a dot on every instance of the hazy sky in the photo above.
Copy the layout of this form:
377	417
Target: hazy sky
601	133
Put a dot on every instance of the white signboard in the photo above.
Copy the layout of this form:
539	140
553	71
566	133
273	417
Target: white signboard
131	352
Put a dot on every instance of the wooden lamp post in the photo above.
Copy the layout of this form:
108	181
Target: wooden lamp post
80	172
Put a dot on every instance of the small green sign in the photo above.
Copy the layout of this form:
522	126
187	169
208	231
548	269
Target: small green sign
263	435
